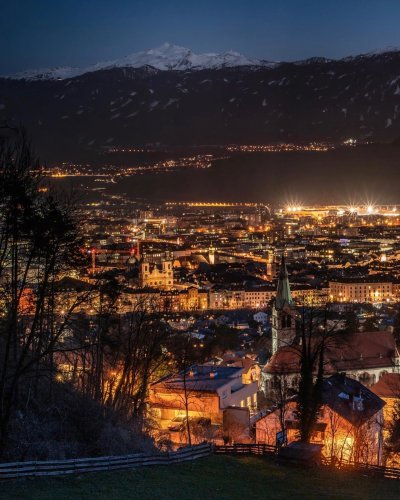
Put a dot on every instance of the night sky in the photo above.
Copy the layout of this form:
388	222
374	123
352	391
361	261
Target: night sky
48	33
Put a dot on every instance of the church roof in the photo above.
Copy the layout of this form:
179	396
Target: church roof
283	294
360	351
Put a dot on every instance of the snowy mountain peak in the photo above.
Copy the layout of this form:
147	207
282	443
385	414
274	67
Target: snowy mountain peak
163	58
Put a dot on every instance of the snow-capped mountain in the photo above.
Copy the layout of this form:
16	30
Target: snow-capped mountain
164	58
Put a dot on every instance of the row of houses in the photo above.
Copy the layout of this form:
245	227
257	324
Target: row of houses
193	298
351	425
260	297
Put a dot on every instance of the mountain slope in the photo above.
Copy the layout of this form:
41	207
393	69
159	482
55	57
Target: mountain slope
250	103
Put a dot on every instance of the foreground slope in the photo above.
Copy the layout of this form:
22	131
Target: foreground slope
217	477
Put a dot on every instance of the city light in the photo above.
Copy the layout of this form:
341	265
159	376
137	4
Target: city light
224	276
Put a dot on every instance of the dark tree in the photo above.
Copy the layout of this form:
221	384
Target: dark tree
314	339
39	243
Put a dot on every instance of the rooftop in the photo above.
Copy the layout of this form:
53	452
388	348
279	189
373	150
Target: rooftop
360	350
207	378
388	386
363	279
351	399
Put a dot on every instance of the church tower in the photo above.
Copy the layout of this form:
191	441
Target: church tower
270	266
283	312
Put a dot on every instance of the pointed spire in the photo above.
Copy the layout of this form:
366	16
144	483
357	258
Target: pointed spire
283	295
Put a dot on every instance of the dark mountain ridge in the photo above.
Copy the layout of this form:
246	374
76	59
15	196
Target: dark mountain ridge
317	99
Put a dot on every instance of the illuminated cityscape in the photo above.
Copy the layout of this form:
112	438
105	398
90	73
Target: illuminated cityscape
199	251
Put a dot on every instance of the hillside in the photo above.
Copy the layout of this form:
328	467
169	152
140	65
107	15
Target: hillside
225	99
218	477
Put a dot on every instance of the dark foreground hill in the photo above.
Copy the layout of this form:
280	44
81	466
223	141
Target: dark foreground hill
217	477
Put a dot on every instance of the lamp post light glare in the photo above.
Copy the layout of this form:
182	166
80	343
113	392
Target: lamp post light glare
370	209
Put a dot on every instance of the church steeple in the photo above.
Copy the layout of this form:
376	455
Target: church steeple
283	312
283	295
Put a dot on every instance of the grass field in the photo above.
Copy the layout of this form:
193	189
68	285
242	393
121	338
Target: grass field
215	477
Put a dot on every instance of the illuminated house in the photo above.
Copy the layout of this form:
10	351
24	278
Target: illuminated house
388	389
202	390
251	368
350	425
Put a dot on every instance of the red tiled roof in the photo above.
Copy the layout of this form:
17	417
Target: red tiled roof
388	386
359	351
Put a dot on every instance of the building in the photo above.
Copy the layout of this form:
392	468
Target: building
261	317
258	297
251	368
365	357
202	391
306	295
388	389
188	299
270	266
261	296
283	312
349	426
226	298
368	289
185	299
155	275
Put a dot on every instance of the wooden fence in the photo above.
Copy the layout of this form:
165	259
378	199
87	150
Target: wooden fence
245	449
265	449
368	469
63	467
